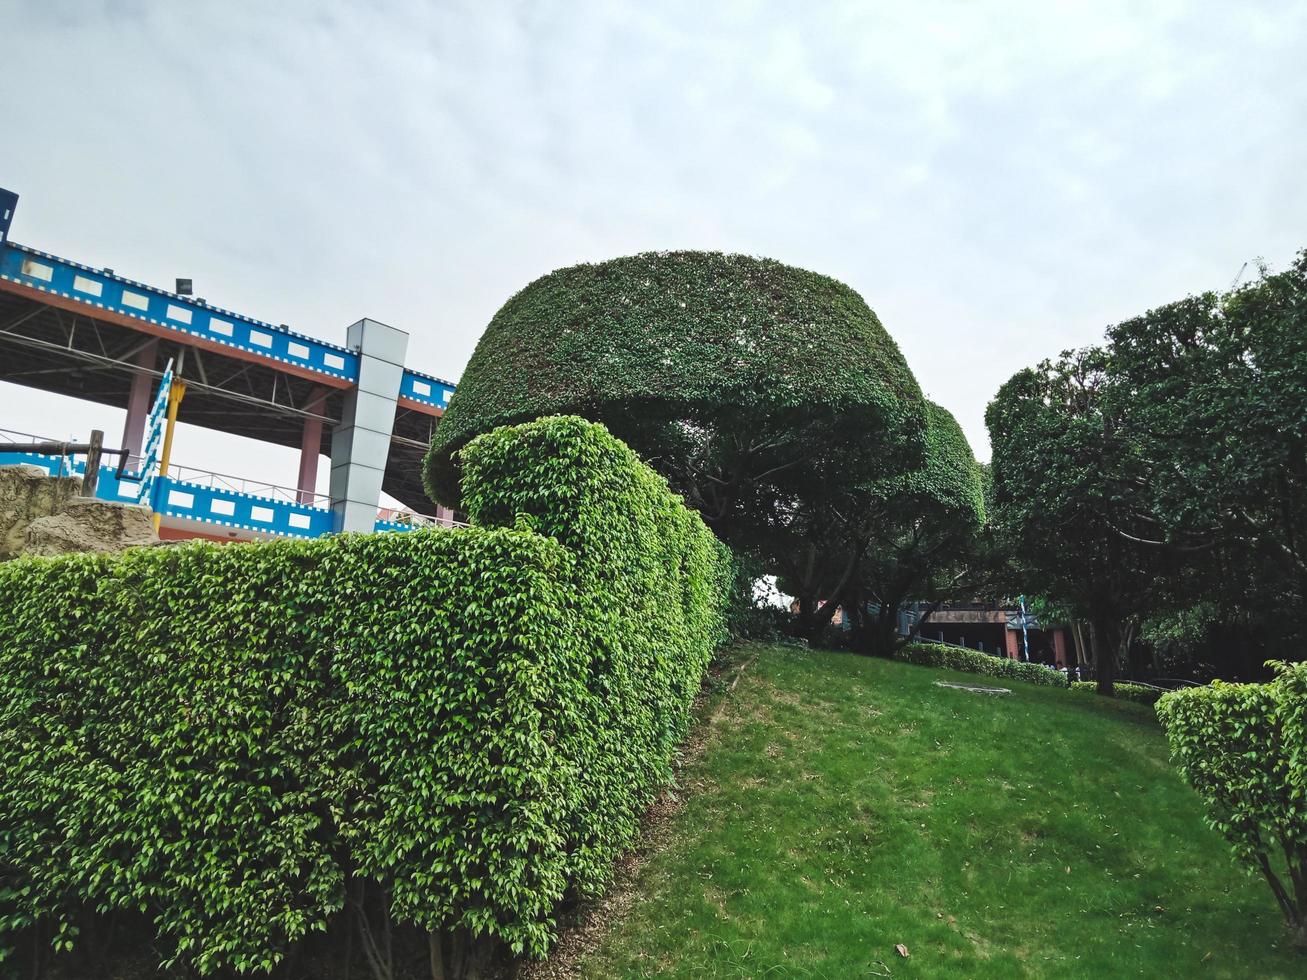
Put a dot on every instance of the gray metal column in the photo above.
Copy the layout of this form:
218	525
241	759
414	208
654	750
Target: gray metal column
360	444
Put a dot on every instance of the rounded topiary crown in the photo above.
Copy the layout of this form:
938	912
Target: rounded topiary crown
670	349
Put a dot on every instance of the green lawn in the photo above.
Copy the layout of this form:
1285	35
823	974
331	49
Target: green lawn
845	804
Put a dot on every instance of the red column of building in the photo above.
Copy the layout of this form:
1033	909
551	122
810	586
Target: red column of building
311	449
1012	638
1059	647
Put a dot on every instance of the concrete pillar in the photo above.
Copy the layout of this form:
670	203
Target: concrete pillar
310	449
360	444
138	402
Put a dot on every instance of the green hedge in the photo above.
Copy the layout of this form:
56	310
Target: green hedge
1122	690
975	662
473	720
1243	747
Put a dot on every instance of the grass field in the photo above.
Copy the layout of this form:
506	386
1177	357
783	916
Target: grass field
843	805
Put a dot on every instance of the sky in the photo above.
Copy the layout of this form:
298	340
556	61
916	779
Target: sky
1000	181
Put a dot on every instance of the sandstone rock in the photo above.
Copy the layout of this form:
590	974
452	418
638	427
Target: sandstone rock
86	524
43	515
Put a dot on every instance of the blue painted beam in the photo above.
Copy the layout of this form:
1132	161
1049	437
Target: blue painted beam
189	318
425	390
183	315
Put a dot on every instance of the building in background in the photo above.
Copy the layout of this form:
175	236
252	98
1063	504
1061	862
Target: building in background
993	628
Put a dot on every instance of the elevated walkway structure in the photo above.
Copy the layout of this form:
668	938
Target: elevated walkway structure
89	333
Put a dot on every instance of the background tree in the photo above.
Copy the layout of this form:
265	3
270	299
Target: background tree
1063	479
1214	395
1171	465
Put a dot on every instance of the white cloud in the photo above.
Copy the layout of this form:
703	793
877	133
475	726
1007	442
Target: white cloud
1000	180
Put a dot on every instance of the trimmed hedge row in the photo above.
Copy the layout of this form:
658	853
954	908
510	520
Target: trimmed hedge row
1243	748
1122	690
223	737
975	662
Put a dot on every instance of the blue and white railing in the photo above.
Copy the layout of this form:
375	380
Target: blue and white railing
226	508
219	501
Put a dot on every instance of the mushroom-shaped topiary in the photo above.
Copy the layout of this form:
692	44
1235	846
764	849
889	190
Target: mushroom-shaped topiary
740	379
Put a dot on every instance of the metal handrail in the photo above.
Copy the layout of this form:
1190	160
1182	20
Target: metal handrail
416	520
26	436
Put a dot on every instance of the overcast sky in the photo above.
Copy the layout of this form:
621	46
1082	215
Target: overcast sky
999	180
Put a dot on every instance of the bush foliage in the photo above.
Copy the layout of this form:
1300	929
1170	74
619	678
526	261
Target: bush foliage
924	535
1122	690
226	737
721	370
975	662
1243	747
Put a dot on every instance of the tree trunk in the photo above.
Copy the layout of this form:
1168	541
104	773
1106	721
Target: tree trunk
816	621
855	612
1298	936
807	606
1078	642
880	635
377	949
1127	641
1296	857
435	955
1100	640
821	619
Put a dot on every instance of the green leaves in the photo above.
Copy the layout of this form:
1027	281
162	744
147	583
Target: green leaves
1166	471
473	720
1241	747
1123	690
744	381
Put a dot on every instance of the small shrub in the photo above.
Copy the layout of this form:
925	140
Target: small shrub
749	613
1243	747
1122	690
975	662
761	624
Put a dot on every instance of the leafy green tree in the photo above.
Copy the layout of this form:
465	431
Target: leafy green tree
757	389
1170	465
1213	392
909	535
1062	477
